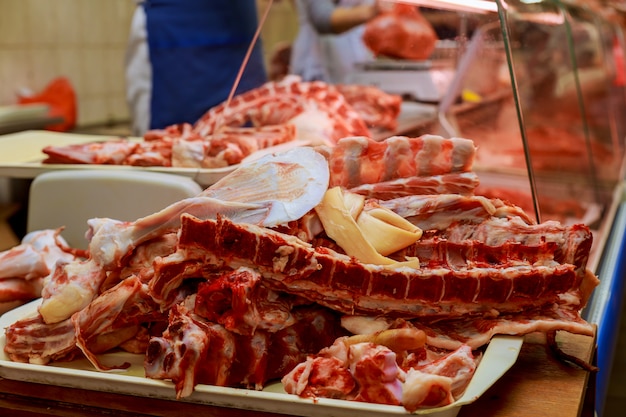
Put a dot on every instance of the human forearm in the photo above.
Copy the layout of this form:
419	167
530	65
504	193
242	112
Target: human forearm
345	18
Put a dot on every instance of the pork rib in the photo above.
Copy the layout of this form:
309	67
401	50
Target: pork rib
376	107
278	102
462	183
341	283
195	351
355	161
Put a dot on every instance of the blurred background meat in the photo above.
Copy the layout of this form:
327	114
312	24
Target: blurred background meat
401	32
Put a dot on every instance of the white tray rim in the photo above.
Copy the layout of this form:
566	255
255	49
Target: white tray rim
499	356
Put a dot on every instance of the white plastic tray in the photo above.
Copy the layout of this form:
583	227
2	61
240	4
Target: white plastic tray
21	156
500	355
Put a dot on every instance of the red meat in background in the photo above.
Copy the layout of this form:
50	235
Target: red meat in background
402	32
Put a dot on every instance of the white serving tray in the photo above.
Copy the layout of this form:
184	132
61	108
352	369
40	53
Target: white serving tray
500	355
21	156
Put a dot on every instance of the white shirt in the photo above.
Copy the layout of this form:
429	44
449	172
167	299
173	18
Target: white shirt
326	57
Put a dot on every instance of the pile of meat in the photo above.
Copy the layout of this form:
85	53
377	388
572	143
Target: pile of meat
366	271
280	112
25	267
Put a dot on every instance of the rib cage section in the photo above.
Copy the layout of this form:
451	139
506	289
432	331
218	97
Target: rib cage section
344	284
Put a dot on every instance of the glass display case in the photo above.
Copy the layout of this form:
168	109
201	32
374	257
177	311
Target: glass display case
560	119
539	86
544	109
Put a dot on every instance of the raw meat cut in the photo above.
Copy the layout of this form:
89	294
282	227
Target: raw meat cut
402	33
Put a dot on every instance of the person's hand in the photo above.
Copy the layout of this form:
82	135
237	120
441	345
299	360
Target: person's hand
383	6
345	18
371	11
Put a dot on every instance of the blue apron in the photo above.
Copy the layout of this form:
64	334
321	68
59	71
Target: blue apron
196	48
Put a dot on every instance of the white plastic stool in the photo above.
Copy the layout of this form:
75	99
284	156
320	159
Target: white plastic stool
71	197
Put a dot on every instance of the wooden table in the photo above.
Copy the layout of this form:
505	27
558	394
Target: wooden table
537	385
540	385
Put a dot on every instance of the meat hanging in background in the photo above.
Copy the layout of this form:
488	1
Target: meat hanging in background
402	33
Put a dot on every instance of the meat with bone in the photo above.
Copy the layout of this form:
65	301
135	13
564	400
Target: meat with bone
102	153
195	350
401	32
240	302
121	313
439	211
113	152
341	283
439	382
236	285
476	332
355	161
279	112
462	183
376	107
25	267
113	318
71	288
270	191
23	261
289	100
371	373
176	146
31	340
230	146
140	263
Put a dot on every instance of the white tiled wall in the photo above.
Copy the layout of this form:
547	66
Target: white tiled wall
281	24
83	40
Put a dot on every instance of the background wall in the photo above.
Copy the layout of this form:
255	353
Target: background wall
85	41
281	25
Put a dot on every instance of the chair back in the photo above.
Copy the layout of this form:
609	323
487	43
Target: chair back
71	197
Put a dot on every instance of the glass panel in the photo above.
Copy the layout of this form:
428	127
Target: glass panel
597	51
538	85
555	130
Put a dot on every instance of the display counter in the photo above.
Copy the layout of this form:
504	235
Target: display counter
516	114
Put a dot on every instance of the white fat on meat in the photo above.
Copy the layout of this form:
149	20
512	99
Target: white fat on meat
422	389
315	126
377	374
25	268
23	262
35	257
71	288
365	324
188	153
